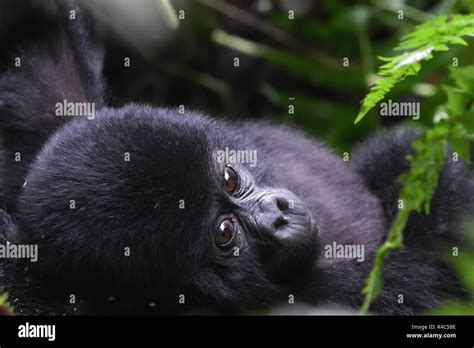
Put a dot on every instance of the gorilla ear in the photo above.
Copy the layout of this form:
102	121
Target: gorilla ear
8	229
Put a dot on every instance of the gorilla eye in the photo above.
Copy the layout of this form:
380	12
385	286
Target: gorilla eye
225	234
231	180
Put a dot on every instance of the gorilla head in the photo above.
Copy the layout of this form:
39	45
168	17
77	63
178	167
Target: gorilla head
136	200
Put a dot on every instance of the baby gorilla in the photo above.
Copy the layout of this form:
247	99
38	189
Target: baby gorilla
136	202
145	182
133	211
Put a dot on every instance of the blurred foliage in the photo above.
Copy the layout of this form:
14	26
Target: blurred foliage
5	307
280	58
463	262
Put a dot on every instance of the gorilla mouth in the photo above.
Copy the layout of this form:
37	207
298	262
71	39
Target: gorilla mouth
296	251
295	223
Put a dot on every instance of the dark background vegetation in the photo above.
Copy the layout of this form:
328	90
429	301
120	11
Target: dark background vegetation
300	58
304	59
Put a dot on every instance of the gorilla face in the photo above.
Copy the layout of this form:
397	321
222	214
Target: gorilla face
274	220
170	220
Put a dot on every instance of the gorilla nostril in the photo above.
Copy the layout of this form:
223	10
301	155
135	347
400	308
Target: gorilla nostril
280	221
282	203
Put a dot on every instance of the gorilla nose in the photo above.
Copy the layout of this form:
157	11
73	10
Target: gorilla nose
273	207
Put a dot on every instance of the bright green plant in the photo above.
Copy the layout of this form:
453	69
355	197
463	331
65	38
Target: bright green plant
427	38
5	307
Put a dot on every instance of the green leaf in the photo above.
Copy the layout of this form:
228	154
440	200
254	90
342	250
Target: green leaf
464	266
459	142
456	101
5	307
464	78
454	308
297	65
468	122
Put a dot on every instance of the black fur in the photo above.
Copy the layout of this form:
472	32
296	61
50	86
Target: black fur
58	61
134	204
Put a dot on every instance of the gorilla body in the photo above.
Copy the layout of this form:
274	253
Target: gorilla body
246	238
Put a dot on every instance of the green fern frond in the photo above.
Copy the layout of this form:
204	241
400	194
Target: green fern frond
418	185
434	35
